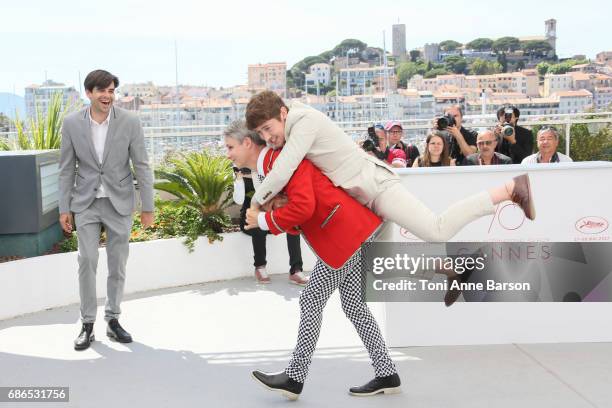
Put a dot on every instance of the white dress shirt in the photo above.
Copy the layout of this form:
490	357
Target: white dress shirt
98	134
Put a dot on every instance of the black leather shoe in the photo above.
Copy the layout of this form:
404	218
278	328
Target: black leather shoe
116	332
280	382
386	385
85	338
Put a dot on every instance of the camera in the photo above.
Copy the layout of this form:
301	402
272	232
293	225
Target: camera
371	143
373	136
507	128
243	171
369	146
445	121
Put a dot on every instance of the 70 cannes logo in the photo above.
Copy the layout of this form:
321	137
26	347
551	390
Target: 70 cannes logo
508	216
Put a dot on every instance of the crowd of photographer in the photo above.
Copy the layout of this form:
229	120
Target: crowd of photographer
449	143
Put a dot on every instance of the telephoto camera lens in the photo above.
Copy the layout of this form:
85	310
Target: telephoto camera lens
442	123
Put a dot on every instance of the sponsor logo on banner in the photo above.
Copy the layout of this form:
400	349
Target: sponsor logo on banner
592	225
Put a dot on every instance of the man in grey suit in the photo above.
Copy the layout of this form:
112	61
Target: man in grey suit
97	189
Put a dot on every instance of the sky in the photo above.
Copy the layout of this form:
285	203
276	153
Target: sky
216	41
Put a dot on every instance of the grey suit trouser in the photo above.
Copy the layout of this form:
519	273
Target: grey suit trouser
118	228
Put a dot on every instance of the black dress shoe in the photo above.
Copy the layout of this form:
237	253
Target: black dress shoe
85	337
386	385
116	332
280	382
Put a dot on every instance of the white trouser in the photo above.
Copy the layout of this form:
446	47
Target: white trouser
381	190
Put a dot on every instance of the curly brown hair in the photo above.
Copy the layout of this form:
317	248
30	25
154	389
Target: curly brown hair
264	106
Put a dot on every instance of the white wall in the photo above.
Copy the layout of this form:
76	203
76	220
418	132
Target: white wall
35	284
563	194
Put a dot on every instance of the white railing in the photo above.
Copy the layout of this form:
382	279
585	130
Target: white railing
162	140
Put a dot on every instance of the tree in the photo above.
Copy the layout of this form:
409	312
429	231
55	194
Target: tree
435	72
585	146
43	132
543	68
304	64
298	78
480	44
565	66
503	61
348	44
4	122
482	67
449	45
327	55
456	64
407	70
520	65
506	44
415	55
536	47
290	82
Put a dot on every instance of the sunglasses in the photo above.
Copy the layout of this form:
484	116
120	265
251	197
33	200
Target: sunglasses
548	127
485	142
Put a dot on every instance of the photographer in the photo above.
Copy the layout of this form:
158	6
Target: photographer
516	141
376	142
462	141
395	132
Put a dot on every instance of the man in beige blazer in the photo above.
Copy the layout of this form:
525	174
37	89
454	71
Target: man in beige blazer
307	133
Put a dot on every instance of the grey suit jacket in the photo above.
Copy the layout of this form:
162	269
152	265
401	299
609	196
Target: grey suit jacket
81	172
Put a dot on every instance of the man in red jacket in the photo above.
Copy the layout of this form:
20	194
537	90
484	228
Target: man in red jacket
326	216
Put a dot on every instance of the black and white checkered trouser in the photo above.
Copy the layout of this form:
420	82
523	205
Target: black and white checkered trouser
323	282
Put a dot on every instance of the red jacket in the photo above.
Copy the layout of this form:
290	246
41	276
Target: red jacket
333	223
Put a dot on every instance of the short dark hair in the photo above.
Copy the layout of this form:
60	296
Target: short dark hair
100	79
500	111
262	107
458	106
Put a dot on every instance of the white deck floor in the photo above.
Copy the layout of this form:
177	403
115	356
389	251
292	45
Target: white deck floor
196	346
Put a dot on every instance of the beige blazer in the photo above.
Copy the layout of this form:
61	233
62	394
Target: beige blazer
312	135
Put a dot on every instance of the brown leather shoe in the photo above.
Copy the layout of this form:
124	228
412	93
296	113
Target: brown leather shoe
453	294
522	195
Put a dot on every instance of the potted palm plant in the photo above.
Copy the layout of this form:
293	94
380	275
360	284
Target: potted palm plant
203	182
